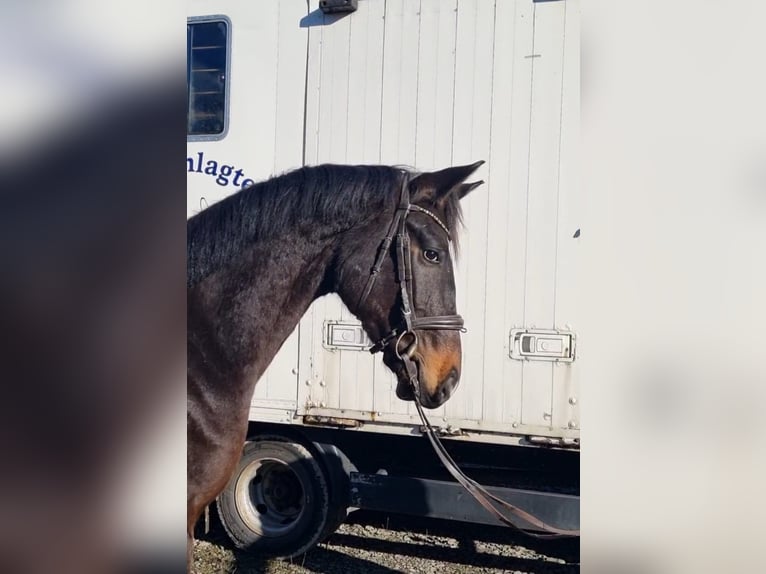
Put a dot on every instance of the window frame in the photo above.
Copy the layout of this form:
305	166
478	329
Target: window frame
227	81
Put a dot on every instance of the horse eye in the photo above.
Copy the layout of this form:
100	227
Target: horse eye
431	255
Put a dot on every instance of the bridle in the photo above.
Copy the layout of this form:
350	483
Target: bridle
407	327
409	323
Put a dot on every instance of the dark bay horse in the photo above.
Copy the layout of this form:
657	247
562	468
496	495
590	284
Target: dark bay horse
377	236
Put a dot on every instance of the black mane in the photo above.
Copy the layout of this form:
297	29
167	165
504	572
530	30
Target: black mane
333	195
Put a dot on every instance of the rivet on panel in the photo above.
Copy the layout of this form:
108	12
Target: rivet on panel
322	384
572	425
572	400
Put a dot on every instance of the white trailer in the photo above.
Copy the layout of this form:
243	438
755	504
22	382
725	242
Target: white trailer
274	85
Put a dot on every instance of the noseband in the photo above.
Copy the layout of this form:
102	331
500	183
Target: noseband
410	323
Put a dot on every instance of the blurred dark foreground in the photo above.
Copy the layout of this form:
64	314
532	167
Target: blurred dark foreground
92	267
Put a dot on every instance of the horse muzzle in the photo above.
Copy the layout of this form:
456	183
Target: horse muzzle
427	372
444	391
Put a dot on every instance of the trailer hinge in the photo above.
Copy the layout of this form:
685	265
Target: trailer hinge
447	431
317	420
560	442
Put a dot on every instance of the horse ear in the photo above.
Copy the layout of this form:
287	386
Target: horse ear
436	185
466	188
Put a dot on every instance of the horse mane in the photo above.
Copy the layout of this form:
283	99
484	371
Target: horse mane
333	195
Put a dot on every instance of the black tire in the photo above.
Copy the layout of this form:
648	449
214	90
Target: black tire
335	463
278	500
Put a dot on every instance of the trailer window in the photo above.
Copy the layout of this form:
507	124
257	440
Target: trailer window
207	68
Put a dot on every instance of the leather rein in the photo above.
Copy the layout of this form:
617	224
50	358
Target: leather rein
398	231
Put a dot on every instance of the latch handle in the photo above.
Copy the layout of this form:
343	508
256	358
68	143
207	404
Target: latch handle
542	345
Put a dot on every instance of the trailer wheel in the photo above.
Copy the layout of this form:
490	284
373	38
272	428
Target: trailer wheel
278	501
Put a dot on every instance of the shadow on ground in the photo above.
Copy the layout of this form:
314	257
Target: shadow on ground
409	537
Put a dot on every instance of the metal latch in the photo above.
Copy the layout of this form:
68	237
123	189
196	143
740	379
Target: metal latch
542	345
345	336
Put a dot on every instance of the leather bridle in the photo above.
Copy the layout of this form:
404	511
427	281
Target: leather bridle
407	327
409	323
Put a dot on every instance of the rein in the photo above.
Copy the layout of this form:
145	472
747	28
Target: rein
488	500
398	230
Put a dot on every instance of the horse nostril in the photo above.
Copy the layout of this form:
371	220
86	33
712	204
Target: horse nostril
449	384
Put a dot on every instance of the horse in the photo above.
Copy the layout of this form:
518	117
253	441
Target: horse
381	237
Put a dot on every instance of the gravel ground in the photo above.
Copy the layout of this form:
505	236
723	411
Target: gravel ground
373	543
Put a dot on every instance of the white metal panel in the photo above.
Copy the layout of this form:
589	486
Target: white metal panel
542	206
428	83
471	142
365	80
569	310
517	224
459	82
290	86
436	84
506	190
400	82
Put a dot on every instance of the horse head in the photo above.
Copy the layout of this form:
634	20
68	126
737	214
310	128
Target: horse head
397	276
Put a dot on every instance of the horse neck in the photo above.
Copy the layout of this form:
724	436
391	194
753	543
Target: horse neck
250	308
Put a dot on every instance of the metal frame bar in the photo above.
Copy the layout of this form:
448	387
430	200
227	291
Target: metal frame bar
449	500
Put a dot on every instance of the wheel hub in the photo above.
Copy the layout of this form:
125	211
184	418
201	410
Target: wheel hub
274	497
